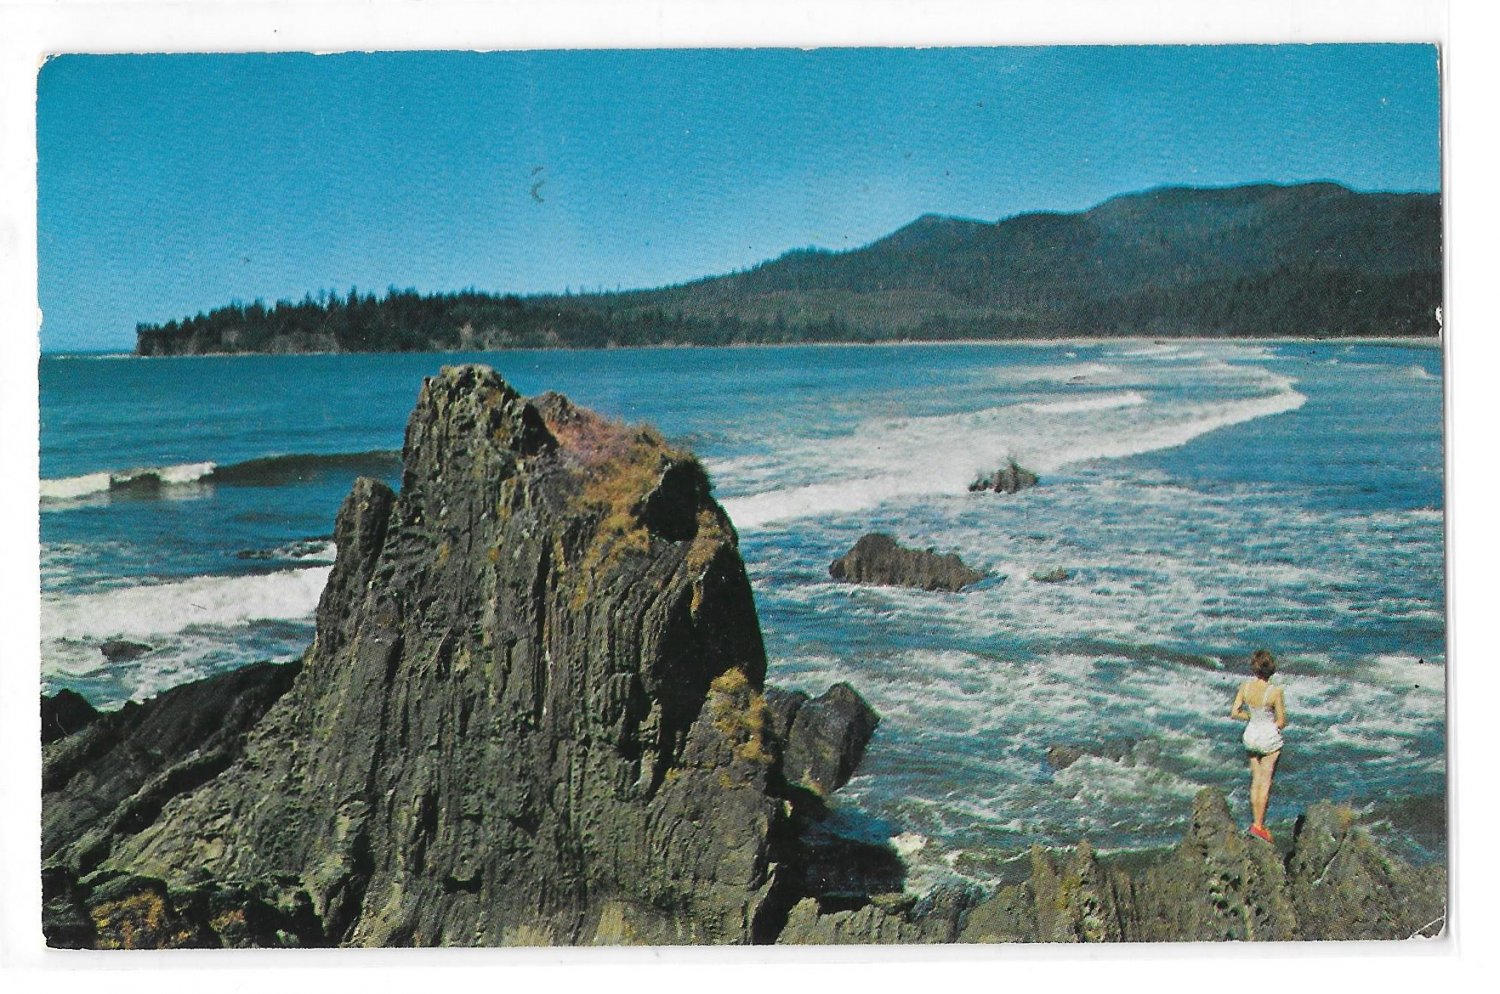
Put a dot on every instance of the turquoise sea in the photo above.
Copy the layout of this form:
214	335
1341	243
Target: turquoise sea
1206	498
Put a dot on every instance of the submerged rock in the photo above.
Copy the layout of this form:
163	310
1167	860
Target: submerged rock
1063	755
1008	479
878	559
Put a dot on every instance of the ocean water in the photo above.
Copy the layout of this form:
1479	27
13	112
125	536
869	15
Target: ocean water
1206	498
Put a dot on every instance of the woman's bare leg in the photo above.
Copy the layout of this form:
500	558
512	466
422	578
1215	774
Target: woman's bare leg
1260	800
1255	785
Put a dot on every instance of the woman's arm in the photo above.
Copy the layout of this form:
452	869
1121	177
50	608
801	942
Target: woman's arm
1237	709
1280	704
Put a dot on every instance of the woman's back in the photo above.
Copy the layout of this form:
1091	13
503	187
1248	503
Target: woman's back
1250	690
1263	735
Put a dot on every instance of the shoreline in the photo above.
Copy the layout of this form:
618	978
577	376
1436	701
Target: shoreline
1414	341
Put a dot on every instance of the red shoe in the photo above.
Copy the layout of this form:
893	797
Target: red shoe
1260	832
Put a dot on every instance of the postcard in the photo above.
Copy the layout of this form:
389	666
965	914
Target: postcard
724	496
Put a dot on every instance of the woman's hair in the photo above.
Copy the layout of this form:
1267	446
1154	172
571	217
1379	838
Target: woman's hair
1262	663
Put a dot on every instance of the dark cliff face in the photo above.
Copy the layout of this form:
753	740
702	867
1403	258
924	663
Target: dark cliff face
532	711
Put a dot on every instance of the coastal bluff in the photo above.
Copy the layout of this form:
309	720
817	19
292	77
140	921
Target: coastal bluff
535	712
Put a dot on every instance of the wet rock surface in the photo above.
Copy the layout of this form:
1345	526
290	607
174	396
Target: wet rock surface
1063	755
879	559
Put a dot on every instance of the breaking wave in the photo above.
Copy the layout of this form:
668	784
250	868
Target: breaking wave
159	609
267	471
942	454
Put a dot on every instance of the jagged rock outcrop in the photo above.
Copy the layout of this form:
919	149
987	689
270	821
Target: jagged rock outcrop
824	738
1008	479
112	777
879	559
1221	884
1344	886
64	713
533	712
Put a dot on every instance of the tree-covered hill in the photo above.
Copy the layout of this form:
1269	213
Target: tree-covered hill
1264	260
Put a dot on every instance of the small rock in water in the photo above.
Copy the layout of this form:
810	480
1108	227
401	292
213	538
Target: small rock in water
1060	757
879	559
1008	479
1057	575
121	651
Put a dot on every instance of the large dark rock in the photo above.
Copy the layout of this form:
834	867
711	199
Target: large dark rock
826	739
123	650
533	712
64	713
1008	479
878	559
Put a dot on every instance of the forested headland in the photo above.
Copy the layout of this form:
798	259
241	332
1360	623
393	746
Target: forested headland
1315	260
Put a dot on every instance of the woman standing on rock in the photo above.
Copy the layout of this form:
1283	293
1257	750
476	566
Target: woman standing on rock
1264	707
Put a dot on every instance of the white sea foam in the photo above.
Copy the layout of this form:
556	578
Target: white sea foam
166	608
1143	351
1169	435
1079	372
1108	402
73	487
942	454
1419	373
908	844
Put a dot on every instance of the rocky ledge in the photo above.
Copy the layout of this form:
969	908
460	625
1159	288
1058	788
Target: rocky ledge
879	559
535	712
1218	884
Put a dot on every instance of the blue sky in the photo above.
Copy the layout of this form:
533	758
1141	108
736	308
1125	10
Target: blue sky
176	183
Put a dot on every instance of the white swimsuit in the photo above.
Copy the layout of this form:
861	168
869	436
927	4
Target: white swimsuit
1262	737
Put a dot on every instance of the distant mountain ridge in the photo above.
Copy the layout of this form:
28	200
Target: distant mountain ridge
1313	259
